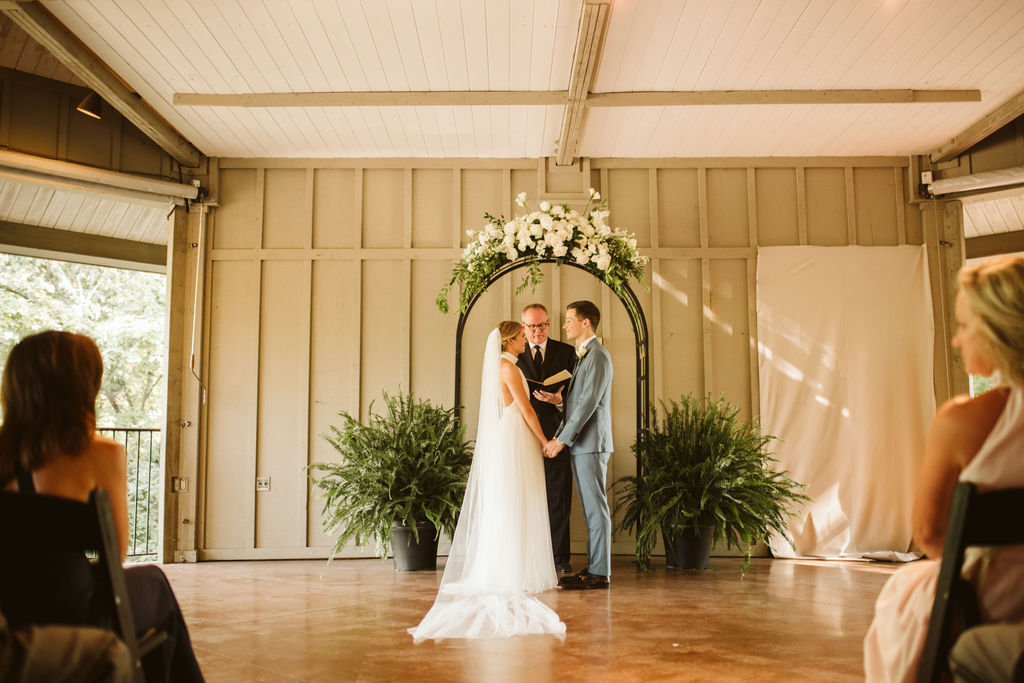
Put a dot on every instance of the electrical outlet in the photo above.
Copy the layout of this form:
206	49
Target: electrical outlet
926	177
262	483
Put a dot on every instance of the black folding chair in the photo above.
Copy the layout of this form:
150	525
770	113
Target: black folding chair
975	519
37	525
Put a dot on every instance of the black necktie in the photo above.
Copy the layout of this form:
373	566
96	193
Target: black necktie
538	360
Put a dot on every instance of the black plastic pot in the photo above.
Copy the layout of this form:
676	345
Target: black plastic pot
410	555
693	546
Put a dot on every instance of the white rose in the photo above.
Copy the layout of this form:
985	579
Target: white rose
588	230
546	221
559	250
545	206
510	228
536	230
521	199
603	261
512	254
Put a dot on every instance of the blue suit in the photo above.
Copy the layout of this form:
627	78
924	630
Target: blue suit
587	429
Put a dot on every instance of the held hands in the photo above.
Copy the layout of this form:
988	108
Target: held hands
553	448
552	397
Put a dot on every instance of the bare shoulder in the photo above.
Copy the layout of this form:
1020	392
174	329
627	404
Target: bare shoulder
965	422
108	455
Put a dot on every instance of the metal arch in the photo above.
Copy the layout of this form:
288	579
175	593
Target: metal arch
636	319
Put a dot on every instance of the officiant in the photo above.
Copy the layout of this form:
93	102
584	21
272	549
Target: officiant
543	358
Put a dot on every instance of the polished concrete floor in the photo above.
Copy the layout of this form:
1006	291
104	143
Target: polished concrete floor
302	621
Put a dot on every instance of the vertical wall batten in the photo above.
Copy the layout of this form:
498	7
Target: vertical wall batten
801	204
851	214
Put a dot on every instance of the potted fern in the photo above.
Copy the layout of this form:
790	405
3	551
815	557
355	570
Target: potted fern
400	481
706	476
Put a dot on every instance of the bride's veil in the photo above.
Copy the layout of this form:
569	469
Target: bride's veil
467	537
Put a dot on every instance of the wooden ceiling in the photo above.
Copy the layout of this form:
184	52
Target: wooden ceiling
172	50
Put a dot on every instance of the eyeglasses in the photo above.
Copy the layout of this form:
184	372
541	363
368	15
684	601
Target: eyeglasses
538	326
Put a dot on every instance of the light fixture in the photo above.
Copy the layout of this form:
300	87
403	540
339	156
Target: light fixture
90	106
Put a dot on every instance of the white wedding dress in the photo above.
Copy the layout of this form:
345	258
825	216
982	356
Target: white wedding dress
501	550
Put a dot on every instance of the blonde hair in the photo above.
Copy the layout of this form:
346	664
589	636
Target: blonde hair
994	291
508	329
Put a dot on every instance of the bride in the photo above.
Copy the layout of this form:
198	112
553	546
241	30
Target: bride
501	549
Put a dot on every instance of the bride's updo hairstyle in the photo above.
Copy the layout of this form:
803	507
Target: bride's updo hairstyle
994	290
508	329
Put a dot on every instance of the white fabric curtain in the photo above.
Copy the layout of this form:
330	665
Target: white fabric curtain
845	338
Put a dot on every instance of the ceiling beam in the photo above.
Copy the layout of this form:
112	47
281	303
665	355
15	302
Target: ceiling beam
38	23
589	42
472	98
993	245
706	97
981	129
40	242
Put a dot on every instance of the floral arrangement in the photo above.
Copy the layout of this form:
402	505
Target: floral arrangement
553	231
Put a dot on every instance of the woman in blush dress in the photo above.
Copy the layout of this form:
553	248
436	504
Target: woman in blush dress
980	440
501	549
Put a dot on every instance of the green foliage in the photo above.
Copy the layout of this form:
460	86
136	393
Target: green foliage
122	310
701	465
408	464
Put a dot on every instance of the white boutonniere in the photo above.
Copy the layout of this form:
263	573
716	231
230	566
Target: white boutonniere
580	352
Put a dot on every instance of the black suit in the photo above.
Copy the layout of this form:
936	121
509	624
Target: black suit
558	356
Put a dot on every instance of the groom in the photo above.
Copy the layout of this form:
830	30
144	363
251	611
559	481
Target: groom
587	429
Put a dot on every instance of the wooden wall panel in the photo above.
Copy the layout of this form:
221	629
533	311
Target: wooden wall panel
481	192
730	334
35	120
728	224
283	416
385	328
678	208
307	318
237	219
874	196
432	336
383	192
285	222
231	426
680	364
89	139
826	207
522	180
431	207
628	195
334	354
334	202
777	216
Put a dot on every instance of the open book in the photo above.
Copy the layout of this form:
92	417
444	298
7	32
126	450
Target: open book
553	379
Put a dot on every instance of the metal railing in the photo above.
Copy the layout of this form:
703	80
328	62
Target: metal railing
142	451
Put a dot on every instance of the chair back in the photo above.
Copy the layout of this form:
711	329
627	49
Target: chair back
975	519
38	525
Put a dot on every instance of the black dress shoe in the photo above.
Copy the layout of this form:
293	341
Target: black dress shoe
584	580
563	568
